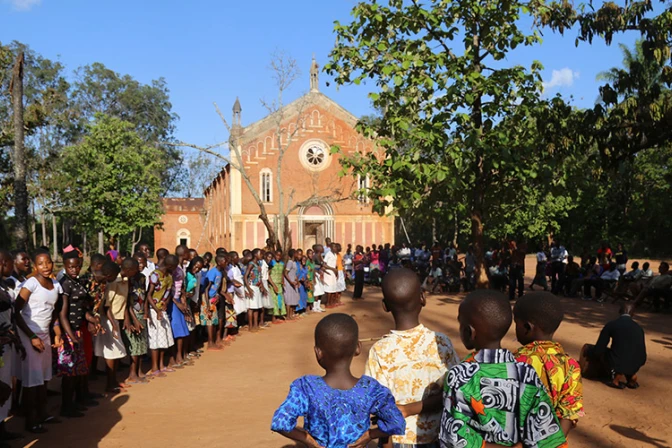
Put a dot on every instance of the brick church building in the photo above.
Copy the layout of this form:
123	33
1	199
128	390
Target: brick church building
323	204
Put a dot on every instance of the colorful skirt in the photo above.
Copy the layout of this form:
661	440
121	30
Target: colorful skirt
213	319
178	323
71	359
137	342
230	315
278	300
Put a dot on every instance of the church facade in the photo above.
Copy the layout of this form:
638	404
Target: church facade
319	201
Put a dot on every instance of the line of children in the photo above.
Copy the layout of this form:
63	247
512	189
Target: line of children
492	398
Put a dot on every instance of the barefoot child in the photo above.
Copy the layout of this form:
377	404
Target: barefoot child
275	280
253	288
337	407
412	360
136	335
71	365
537	316
212	301
160	335
266	293
491	399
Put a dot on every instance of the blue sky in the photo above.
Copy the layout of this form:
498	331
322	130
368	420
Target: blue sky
212	51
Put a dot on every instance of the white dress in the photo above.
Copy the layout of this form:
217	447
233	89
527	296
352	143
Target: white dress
159	331
330	278
266	300
36	369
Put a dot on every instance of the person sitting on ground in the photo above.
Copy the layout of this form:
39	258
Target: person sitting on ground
484	389
624	358
337	407
593	272
411	360
621	258
634	274
658	287
537	317
647	273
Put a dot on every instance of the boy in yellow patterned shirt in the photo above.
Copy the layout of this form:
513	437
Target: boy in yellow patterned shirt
412	361
537	316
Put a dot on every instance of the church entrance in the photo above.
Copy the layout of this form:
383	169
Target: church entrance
313	233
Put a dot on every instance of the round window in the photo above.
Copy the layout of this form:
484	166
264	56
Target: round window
183	219
314	155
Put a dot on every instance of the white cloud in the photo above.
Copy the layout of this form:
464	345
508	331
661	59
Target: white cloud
23	5
561	78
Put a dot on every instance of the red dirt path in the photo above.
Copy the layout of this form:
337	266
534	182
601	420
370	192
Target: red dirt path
227	399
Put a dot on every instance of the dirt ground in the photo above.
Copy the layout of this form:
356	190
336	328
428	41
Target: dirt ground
227	399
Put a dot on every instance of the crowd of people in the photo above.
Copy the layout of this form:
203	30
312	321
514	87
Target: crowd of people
162	311
135	308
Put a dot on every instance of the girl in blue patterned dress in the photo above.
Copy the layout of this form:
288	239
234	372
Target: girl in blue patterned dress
337	406
302	278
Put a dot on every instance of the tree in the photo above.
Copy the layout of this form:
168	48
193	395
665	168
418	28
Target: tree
463	115
288	120
19	157
113	179
199	169
98	89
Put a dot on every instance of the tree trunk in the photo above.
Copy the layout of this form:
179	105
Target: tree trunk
457	230
54	229
101	243
270	228
84	247
433	231
135	241
43	218
19	157
479	249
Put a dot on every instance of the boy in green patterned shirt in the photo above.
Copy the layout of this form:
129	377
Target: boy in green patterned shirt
490	399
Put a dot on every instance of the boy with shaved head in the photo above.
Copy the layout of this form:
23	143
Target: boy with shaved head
537	316
491	399
411	361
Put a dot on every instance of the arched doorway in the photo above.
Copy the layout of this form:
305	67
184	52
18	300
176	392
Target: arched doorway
315	224
184	237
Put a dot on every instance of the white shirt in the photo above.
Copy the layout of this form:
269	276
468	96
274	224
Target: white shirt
452	252
611	275
38	310
541	257
147	272
264	271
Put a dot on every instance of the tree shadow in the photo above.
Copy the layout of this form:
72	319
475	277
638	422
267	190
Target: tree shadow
635	434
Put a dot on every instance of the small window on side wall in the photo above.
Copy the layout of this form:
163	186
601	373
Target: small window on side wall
266	185
362	189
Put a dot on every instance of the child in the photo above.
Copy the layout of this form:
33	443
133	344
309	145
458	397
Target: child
291	288
234	295
537	316
71	364
266	293
337	407
275	280
302	278
340	281
160	335
491	399
34	309
412	360
109	344
193	292
253	286
136	335
177	310
318	288
211	302
310	282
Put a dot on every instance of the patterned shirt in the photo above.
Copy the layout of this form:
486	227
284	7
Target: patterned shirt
492	398
336	418
78	300
413	365
560	374
162	286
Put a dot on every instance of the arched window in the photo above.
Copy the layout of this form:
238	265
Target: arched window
362	188
266	185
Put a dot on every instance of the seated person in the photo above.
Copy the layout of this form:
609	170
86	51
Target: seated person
499	276
593	272
658	287
647	273
624	358
634	274
572	275
608	281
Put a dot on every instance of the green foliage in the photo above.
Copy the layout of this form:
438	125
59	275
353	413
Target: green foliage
113	178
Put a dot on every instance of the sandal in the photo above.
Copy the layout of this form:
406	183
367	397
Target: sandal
168	370
36	429
51	420
177	366
156	374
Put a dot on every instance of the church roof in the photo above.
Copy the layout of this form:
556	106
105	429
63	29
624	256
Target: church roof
236	106
295	107
183	204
